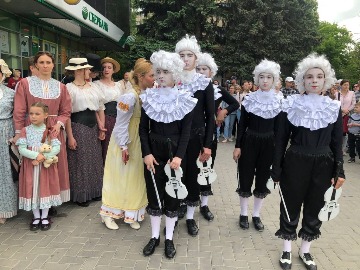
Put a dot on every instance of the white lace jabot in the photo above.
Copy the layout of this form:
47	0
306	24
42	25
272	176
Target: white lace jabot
217	91
311	111
198	82
167	105
264	104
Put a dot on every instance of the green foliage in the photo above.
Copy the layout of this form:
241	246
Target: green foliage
239	33
336	44
281	30
352	69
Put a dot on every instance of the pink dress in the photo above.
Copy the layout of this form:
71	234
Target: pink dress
38	186
54	94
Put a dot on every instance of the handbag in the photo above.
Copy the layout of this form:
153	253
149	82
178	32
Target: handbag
15	161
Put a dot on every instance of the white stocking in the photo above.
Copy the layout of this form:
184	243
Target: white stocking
170	225
155	226
244	202
36	213
305	246
257	206
287	245
204	200
44	214
190	212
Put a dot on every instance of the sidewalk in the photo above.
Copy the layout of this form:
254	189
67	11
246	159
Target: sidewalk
78	239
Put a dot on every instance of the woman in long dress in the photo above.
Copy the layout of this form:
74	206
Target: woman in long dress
8	189
124	190
54	94
84	153
112	91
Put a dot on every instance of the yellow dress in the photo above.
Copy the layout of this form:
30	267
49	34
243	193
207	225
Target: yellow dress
124	189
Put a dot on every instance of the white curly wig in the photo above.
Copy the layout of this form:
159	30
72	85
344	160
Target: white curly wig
314	60
188	44
168	61
266	66
205	59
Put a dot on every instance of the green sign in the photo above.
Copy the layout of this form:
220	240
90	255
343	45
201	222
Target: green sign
94	19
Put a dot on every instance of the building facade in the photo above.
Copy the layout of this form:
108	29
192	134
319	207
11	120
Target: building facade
66	28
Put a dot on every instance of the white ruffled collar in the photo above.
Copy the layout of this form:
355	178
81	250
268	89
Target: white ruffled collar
217	91
311	111
187	76
266	104
167	105
198	82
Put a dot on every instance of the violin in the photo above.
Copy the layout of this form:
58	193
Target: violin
206	175
331	208
174	187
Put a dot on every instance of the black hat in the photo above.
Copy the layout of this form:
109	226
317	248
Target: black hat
95	61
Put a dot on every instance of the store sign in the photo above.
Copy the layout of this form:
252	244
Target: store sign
4	42
86	14
95	19
24	46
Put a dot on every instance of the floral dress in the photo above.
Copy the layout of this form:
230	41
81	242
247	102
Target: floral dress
8	189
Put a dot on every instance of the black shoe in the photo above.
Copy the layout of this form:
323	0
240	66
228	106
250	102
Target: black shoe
205	212
258	224
243	222
176	223
150	247
52	211
308	260
83	204
351	160
97	198
192	227
170	250
285	260
45	227
182	211
35	227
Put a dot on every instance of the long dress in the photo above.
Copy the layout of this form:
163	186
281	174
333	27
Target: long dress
54	94
8	189
112	94
39	187
85	163
124	190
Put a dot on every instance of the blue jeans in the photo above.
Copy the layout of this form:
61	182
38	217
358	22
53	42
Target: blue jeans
229	123
238	114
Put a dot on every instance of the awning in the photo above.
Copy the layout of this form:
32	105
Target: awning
80	20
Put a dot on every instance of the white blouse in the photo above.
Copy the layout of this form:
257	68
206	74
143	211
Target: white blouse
112	93
125	109
91	98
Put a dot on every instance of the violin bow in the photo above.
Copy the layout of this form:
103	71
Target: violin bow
155	187
282	198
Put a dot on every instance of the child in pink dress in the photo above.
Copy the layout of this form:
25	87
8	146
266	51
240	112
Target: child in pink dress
39	187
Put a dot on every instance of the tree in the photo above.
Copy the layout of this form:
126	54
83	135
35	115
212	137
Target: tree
336	43
281	30
352	69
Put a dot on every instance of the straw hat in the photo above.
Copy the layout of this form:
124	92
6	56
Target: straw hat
5	68
112	61
78	63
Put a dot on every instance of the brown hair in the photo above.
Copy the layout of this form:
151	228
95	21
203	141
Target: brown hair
142	66
41	53
344	81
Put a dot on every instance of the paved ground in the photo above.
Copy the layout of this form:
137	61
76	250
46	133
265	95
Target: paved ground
78	240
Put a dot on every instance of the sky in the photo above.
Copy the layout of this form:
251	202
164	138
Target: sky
343	12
